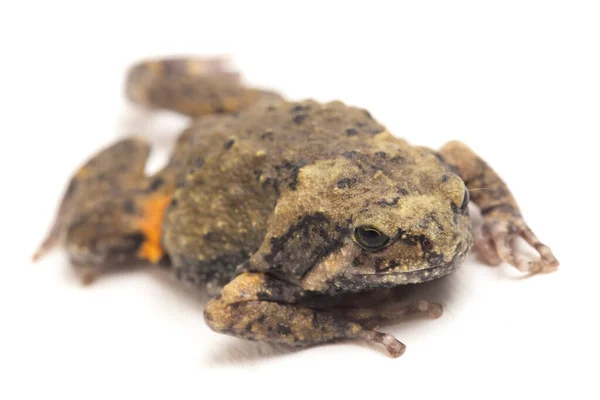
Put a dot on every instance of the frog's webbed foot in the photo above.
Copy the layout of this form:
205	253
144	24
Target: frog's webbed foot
498	241
259	307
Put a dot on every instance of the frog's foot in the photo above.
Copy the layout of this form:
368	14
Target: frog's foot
498	241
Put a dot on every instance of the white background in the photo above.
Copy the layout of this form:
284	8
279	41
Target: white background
519	81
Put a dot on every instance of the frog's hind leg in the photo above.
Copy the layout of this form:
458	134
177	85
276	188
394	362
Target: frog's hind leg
110	169
110	215
191	86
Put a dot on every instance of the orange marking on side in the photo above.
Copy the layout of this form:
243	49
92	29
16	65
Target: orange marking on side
153	210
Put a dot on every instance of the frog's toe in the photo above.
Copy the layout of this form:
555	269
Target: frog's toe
504	238
393	346
47	245
430	310
484	247
547	262
87	276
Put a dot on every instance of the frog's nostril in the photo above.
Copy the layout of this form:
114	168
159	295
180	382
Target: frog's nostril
426	245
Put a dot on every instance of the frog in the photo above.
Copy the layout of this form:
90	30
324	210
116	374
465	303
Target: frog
277	207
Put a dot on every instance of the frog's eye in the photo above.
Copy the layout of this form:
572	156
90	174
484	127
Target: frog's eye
370	238
465	202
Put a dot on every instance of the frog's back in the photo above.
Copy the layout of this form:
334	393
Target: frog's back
231	169
287	131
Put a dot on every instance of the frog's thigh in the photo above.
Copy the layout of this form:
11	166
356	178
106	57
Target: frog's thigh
110	214
257	307
502	219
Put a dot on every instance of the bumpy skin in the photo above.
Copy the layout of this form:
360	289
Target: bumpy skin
276	205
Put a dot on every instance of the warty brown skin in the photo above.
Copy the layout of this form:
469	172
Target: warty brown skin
270	204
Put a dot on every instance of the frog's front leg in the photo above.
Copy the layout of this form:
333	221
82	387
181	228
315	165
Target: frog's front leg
257	306
502	219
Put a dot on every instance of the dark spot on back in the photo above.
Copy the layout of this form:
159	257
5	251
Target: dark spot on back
268	135
298	108
388	203
349	154
132	242
381	154
299	118
229	143
283	329
351	132
199	162
346	183
402	192
156	183
209	236
289	171
129	206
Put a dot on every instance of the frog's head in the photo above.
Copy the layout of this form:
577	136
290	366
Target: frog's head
390	222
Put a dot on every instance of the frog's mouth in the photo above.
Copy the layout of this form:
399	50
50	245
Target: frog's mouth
406	277
385	275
